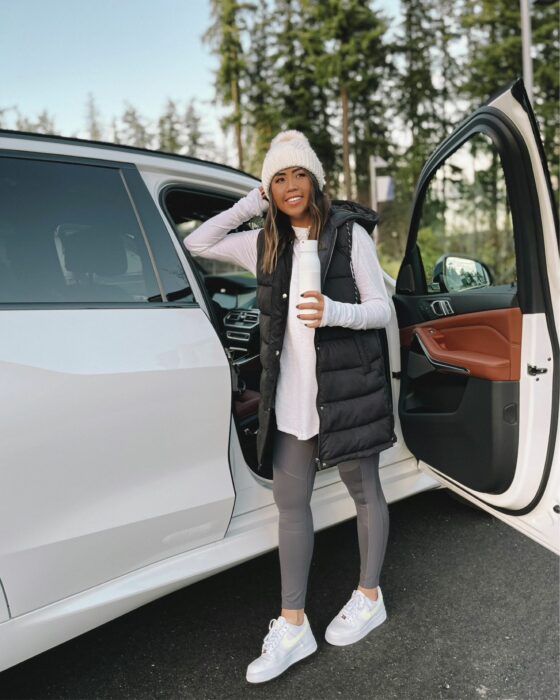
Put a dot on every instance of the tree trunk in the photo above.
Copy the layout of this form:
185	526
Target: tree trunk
346	142
237	108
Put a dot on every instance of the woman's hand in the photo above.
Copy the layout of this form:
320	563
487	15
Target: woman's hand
262	199
317	306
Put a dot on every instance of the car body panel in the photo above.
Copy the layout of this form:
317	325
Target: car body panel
125	415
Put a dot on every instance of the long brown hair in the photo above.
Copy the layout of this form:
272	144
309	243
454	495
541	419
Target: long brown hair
278	230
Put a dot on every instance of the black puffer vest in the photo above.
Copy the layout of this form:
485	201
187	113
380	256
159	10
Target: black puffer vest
353	399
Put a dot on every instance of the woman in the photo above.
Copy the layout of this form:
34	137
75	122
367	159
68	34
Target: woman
324	395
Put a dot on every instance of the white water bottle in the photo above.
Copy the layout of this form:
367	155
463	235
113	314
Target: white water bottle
309	270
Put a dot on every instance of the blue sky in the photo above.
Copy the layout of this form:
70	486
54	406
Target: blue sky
54	52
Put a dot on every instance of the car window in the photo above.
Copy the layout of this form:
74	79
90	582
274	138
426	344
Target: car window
68	233
217	267
187	209
465	233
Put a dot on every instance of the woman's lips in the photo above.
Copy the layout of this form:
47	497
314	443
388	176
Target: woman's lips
297	201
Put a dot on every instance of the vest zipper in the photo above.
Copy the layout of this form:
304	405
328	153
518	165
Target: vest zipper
317	350
317	404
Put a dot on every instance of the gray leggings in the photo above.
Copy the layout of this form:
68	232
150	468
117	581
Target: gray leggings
293	477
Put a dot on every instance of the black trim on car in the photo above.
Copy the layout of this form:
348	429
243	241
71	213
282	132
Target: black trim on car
520	94
172	275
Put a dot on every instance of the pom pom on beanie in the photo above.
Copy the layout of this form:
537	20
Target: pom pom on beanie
290	149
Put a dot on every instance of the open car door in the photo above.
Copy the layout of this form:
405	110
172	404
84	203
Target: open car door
478	306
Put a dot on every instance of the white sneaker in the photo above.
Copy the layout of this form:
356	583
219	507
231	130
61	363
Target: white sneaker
283	646
356	619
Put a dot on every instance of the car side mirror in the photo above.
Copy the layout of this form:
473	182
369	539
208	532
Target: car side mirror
457	273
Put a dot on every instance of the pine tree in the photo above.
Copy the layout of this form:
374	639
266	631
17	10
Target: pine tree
414	111
263	110
169	128
4	111
193	138
115	135
44	124
134	131
494	50
298	100
225	38
94	128
447	63
494	59
348	60
416	96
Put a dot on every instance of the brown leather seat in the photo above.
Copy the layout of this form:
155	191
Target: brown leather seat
247	404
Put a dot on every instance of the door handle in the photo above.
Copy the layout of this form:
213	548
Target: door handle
438	364
442	307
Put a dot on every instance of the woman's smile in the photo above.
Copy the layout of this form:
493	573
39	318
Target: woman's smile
294	200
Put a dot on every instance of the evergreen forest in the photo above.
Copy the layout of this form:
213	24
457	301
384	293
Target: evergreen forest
358	84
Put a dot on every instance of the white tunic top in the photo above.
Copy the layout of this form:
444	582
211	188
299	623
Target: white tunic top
296	390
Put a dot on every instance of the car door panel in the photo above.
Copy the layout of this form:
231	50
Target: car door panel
116	402
485	344
479	386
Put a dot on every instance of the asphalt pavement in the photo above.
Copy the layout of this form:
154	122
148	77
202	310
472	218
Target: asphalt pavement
473	612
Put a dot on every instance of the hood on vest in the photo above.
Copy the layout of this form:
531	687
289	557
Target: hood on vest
343	210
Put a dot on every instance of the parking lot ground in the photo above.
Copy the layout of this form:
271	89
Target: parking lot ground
472	613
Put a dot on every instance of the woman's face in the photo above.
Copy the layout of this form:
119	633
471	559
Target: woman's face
291	189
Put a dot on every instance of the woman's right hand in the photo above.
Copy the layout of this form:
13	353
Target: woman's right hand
257	201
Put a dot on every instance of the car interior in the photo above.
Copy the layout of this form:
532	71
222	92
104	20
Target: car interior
231	293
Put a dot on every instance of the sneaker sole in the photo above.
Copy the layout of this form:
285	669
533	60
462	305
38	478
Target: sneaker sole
377	619
298	654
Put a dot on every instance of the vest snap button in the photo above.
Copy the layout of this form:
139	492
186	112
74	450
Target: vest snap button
324	464
284	295
278	352
322	407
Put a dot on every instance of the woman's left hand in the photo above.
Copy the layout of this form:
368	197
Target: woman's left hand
317	306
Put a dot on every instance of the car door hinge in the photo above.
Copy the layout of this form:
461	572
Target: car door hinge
533	370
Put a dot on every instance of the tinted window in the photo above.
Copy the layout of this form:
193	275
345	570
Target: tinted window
68	233
466	213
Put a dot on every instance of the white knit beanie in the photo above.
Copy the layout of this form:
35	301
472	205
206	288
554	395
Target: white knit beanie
290	149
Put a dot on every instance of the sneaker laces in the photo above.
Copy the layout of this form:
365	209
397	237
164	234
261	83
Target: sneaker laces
352	607
277	628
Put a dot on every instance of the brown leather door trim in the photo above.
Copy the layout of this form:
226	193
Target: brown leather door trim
486	343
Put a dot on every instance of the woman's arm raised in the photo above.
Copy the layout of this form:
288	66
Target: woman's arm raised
210	239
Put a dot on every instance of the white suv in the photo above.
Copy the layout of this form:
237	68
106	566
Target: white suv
129	371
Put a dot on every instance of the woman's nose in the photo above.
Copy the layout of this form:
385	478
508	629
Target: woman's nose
292	183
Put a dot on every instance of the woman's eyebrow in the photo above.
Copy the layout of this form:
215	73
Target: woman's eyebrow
282	172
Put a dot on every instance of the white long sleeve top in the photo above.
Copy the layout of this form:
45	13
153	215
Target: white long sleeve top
296	390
